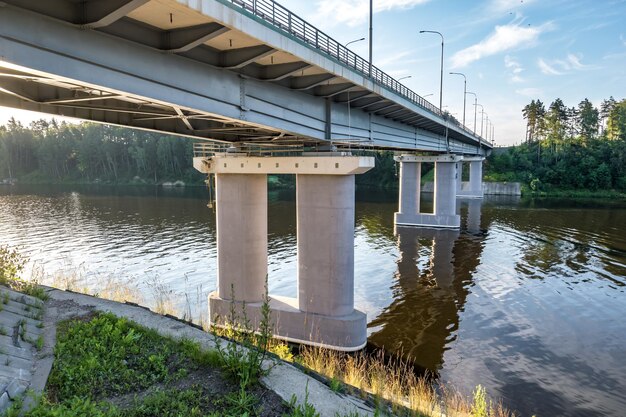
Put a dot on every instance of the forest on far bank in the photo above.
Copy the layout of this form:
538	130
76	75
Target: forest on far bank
566	148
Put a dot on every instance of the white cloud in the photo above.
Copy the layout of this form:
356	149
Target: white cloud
529	92
547	68
508	5
355	12
502	39
621	38
572	62
514	69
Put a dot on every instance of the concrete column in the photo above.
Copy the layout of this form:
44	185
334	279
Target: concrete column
459	177
476	178
409	197
325	211
445	189
241	220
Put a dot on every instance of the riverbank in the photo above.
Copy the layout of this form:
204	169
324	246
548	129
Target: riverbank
114	359
286	183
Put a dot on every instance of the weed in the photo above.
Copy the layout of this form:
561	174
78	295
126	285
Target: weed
11	265
241	403
335	385
5	298
74	407
3	331
171	403
479	406
39	343
244	362
7	361
302	410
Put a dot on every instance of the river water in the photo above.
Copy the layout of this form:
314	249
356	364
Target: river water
527	299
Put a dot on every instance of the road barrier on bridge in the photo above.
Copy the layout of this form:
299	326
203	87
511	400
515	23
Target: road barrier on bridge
281	18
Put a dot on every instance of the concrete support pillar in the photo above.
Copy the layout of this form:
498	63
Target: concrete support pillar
323	314
325	211
459	177
476	178
241	222
410	177
445	189
473	189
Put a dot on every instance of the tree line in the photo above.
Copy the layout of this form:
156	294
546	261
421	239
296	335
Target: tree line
49	151
567	148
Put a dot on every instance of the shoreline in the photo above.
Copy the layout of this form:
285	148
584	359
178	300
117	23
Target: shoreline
274	186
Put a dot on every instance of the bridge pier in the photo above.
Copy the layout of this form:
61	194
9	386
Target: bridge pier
445	190
323	313
475	186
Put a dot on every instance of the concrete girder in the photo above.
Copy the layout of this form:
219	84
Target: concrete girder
332	89
394	113
103	13
241	57
353	96
369	101
281	71
377	109
184	39
307	82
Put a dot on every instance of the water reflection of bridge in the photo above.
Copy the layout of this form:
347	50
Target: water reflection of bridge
433	279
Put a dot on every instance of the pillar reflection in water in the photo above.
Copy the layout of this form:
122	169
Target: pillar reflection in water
424	313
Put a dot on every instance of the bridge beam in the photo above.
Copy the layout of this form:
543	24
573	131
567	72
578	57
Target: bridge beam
473	189
444	211
323	313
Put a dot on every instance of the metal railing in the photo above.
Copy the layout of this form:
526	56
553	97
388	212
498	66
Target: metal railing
287	22
208	149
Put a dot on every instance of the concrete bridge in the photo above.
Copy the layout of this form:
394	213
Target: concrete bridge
272	94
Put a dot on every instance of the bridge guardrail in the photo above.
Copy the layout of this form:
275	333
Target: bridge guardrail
283	19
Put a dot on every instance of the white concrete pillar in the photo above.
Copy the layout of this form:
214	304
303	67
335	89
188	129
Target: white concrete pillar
241	222
476	178
324	313
459	177
409	197
445	189
325	230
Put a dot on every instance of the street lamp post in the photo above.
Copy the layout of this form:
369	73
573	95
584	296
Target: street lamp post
482	117
426	95
404	78
441	77
475	103
354	41
371	34
487	130
464	91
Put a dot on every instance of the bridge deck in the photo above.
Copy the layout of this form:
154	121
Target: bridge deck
267	75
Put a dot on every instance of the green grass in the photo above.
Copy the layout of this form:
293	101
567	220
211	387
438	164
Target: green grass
108	356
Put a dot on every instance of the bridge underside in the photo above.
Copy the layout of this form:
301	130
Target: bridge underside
176	67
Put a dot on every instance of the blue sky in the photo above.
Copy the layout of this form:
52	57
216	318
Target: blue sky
512	51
